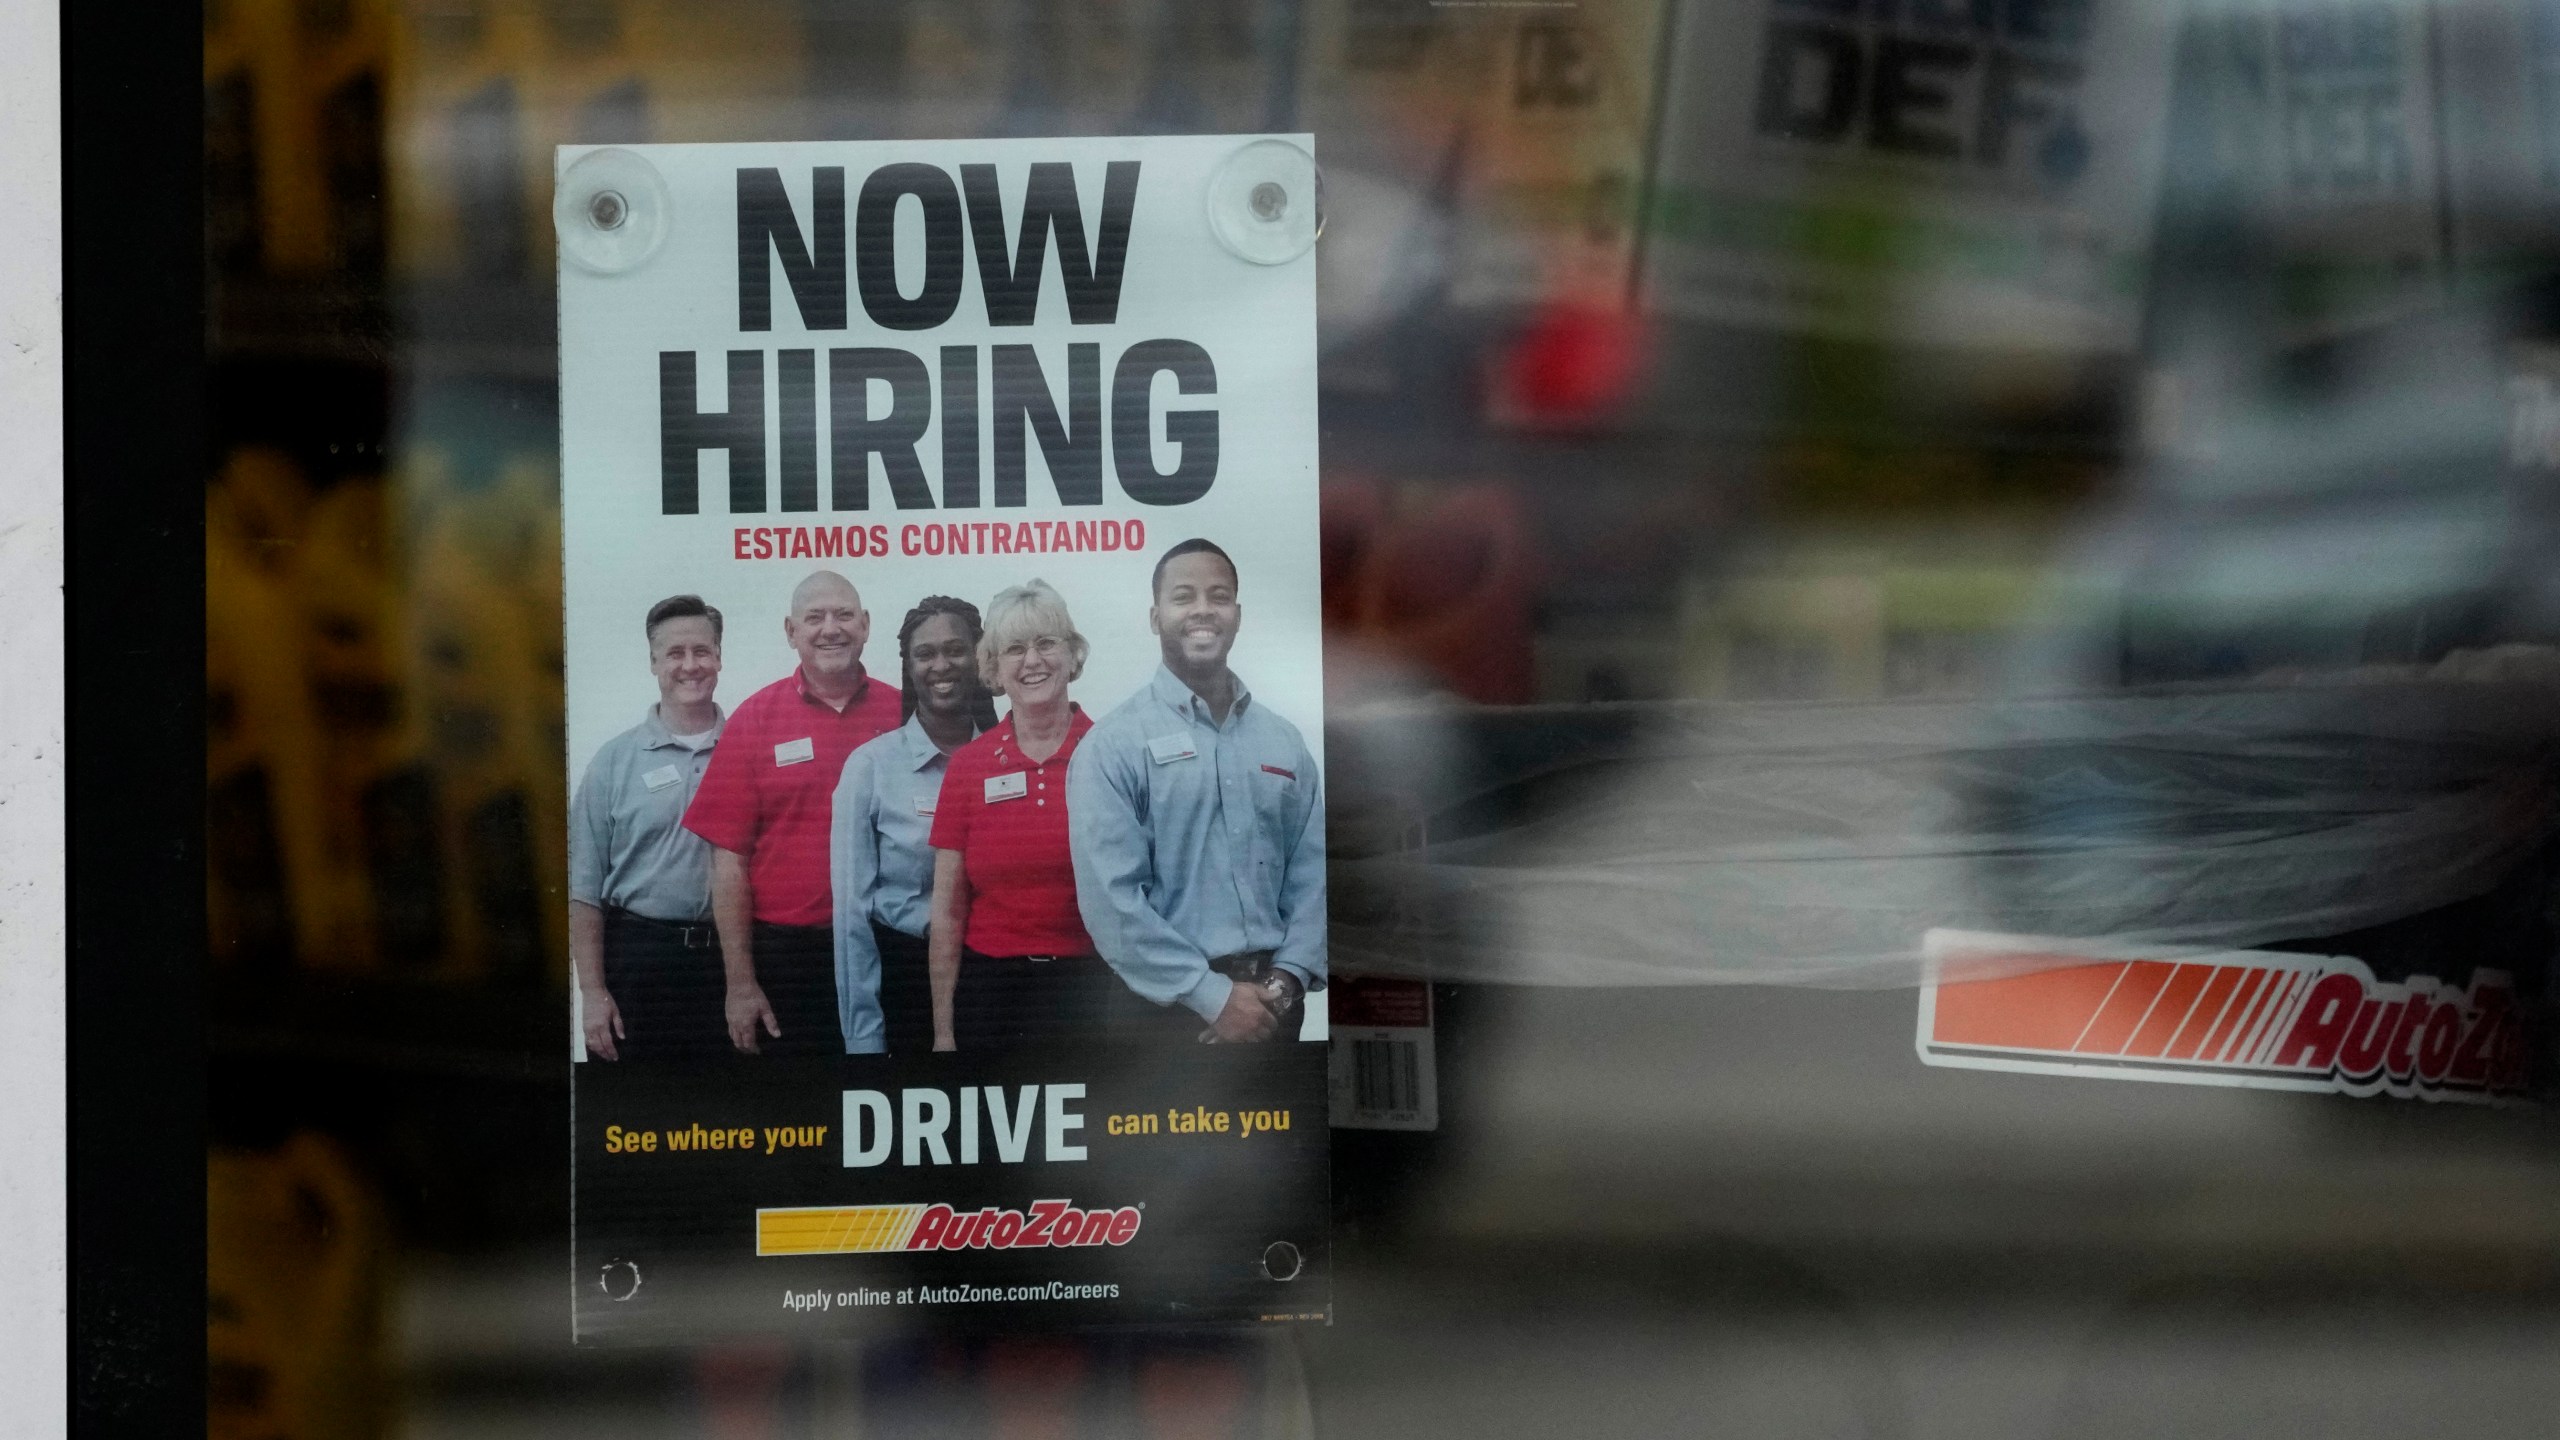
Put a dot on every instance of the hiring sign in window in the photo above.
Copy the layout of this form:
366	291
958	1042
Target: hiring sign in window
946	846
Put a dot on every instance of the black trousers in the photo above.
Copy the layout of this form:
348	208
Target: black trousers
666	981
1005	1000
796	967
906	990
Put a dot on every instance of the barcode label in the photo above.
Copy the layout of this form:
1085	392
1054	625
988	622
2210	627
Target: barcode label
1383	1075
1386	1077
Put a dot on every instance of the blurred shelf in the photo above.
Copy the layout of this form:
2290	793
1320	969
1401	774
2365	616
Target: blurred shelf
497	329
501	329
315	318
507	1033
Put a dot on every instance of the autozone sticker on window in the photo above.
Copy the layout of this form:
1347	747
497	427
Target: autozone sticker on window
2256	1018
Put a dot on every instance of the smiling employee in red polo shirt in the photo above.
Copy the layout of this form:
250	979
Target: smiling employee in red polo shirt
764	806
1007	951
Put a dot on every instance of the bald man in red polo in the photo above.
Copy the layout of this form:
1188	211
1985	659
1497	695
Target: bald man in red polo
765	804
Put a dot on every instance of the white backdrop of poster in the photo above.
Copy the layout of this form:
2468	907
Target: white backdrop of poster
1934	173
626	548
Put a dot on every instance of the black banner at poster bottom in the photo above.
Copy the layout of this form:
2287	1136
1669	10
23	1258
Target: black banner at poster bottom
867	1195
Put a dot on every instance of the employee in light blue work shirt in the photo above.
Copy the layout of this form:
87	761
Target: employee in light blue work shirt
880	867
640	936
1198	821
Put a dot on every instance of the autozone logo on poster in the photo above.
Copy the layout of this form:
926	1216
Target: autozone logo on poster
2253	1018
869	1229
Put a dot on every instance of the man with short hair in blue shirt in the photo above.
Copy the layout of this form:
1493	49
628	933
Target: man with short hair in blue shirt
1198	821
640	936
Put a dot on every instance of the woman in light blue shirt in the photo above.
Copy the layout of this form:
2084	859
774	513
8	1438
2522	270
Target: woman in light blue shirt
882	869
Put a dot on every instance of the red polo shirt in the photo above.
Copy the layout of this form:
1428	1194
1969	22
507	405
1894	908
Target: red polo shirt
1007	816
771	786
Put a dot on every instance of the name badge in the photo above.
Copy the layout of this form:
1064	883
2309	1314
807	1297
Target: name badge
1169	748
662	777
924	804
795	752
1008	787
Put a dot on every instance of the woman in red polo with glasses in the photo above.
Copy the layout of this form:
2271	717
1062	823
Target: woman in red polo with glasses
1010	961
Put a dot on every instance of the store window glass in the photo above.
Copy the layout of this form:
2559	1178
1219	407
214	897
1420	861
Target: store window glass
1942	700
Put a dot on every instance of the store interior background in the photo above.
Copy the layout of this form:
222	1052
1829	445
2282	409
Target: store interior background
1558	504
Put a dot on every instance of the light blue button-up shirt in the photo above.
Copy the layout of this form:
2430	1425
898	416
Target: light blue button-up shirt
879	865
1195	840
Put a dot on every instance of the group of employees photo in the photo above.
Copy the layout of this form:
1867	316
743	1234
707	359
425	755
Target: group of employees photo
842	866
